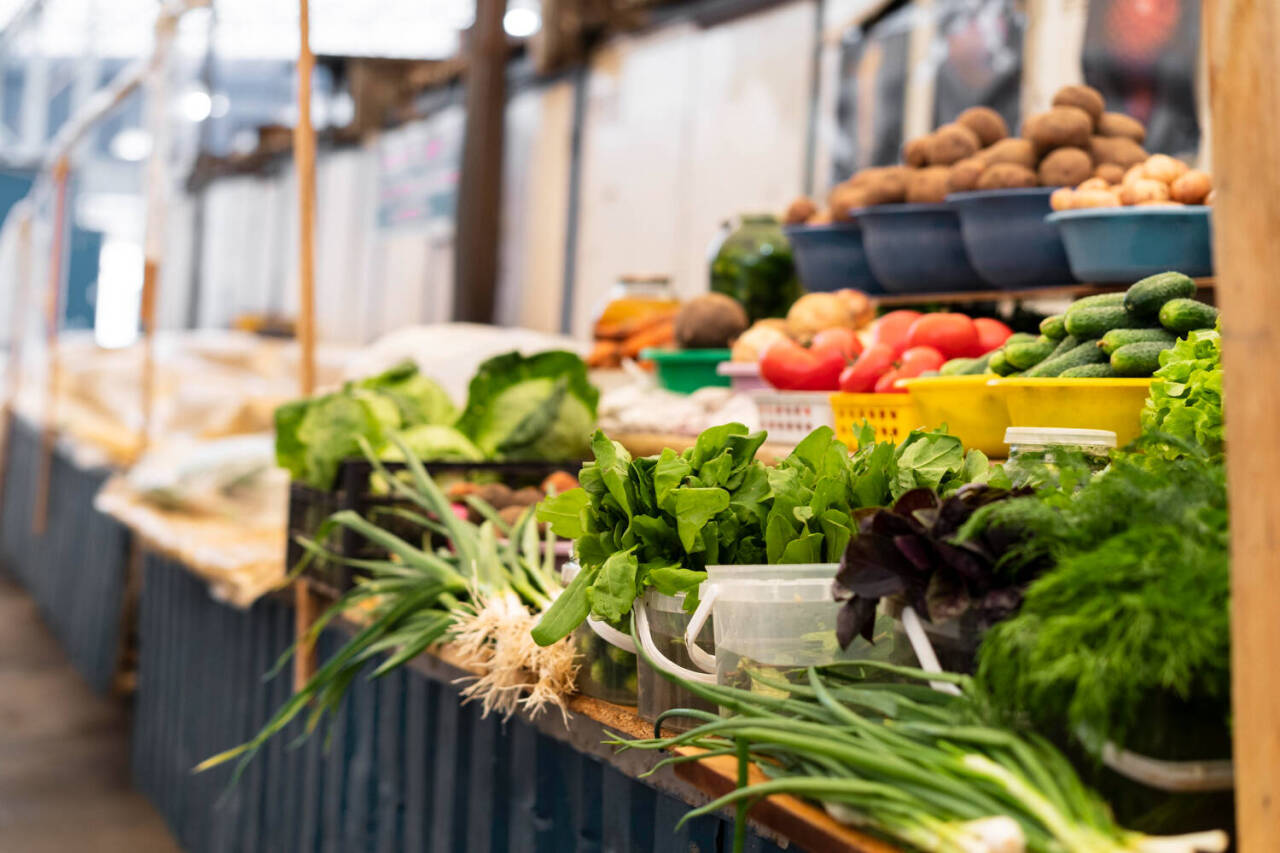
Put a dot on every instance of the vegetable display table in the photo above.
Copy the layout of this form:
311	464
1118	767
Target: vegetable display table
77	570
408	766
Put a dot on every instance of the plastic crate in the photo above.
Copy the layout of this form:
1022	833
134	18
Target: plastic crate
789	416
972	408
1110	404
309	507
892	416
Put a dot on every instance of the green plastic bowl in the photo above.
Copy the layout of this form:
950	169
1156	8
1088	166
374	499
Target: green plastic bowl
685	371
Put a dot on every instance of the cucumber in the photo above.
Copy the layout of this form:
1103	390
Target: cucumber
1052	327
979	366
1096	320
999	365
956	366
1019	338
1186	315
1142	359
1065	346
1086	352
1089	371
1098	300
1024	355
1117	338
1146	297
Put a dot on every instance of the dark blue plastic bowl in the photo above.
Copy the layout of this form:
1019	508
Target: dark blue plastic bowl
1009	243
917	248
1124	244
831	257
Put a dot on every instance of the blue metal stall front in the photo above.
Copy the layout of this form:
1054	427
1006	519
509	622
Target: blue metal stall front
77	569
407	767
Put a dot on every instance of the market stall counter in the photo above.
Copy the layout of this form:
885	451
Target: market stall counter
77	569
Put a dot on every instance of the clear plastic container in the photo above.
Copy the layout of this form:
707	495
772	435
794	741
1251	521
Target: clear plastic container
661	620
1036	452
772	620
608	668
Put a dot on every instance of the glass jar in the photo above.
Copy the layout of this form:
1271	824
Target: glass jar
751	262
607	671
1037	453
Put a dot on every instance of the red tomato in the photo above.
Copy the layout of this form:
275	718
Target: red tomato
788	366
919	359
885	384
844	340
860	377
953	335
892	329
991	334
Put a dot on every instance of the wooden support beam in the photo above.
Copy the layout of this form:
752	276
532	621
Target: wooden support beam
304	160
1245	99
479	213
52	319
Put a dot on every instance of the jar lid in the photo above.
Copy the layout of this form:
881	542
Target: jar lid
1060	436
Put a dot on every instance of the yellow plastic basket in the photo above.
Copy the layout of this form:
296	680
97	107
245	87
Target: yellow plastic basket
1111	404
892	416
972	409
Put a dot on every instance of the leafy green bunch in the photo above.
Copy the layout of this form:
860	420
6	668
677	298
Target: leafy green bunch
1186	396
1136	607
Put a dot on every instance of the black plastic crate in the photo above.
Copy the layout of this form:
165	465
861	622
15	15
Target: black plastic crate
309	507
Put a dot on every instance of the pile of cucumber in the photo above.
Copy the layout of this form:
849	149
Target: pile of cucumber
1113	334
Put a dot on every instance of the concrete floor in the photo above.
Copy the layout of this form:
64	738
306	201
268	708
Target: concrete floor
64	751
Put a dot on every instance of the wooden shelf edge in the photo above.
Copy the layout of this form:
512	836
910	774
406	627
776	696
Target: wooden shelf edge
894	300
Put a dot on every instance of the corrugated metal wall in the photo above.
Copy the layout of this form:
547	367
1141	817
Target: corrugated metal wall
408	766
76	571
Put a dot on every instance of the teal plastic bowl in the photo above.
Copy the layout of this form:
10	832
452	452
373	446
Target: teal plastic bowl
1124	244
685	371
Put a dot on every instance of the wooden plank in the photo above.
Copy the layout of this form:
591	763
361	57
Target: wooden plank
304	158
1067	291
1245	103
53	314
806	825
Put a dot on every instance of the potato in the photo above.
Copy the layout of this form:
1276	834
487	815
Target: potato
928	185
1133	173
1065	167
845	198
1004	176
964	175
1016	151
799	211
1060	127
1063	198
1144	189
1162	167
950	144
710	321
1086	98
1094	184
1112	173
1096	198
1156	203
888	185
1191	187
1123	152
915	153
986	123
1121	125
822	217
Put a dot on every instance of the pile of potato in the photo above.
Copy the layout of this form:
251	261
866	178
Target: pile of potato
1160	180
1064	146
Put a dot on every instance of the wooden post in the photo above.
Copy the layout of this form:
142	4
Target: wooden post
17	334
52	319
479	215
156	195
1245	98
304	159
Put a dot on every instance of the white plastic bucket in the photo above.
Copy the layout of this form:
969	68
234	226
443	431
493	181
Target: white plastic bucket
780	616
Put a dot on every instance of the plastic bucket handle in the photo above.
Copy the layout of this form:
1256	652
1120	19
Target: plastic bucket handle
612	635
924	650
657	657
699	656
